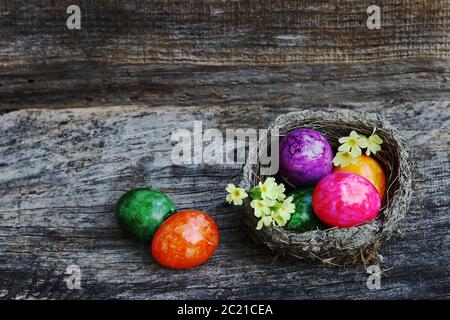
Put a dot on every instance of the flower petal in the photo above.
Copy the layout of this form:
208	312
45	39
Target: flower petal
230	187
343	139
337	160
267	220
362	142
376	138
355	152
259	225
344	147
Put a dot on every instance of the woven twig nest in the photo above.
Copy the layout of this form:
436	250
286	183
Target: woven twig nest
339	246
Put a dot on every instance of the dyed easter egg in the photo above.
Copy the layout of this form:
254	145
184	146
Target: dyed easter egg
344	199
303	218
140	212
370	169
305	157
185	240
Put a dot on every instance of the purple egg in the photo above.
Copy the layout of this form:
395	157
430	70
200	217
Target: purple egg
305	157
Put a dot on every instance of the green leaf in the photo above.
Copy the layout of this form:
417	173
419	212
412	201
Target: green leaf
255	193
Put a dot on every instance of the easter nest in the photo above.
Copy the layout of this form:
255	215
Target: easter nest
338	246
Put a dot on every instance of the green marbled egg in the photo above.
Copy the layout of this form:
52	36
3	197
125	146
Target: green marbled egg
303	219
140	212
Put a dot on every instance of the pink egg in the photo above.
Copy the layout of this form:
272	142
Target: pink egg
344	199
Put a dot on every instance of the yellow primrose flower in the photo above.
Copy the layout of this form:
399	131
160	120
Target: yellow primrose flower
286	207
268	189
279	192
265	221
236	195
353	144
262	207
343	158
280	220
373	144
283	212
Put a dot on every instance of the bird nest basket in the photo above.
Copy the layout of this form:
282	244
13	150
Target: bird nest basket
338	246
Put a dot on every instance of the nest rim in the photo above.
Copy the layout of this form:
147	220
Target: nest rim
338	246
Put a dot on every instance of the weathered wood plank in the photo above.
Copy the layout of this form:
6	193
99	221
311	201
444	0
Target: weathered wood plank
61	173
256	32
92	85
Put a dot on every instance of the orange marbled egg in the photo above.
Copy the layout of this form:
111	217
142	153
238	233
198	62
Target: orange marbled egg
185	240
370	169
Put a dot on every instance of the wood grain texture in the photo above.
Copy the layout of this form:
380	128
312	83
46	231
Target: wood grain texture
91	85
160	65
62	172
216	32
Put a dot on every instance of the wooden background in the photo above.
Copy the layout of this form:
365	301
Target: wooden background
87	115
